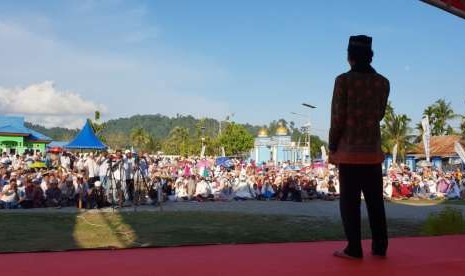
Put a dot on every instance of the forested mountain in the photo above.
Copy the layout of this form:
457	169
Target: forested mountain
56	133
160	132
158	126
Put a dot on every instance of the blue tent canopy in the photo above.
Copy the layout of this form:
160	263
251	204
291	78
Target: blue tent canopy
86	139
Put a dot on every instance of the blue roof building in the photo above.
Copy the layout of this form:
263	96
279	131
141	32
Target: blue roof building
15	138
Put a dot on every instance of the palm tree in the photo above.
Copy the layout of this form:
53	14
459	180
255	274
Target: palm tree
395	130
177	142
462	127
430	112
140	138
98	127
389	113
442	112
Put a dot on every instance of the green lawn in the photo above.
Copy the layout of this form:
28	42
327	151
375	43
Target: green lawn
36	232
454	202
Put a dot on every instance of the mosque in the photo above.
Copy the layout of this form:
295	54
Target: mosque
277	148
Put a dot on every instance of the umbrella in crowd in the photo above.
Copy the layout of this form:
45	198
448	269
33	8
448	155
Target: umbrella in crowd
37	165
204	163
292	168
224	161
55	150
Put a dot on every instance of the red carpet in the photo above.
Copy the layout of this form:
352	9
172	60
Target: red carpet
407	256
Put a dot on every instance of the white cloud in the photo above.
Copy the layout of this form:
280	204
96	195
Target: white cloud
126	84
42	103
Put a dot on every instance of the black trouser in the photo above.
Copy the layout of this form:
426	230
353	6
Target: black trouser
368	179
130	188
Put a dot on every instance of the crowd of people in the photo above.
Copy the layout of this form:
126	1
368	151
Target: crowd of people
96	180
425	183
126	178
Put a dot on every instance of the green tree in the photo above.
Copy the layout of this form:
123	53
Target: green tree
236	139
315	146
439	114
140	138
462	126
177	142
154	145
395	130
98	126
117	140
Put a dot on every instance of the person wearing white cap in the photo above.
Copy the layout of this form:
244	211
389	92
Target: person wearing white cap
128	168
100	195
92	169
104	166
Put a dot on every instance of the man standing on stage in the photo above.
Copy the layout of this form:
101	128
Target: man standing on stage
358	105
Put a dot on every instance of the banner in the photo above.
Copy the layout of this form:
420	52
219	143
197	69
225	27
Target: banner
394	154
324	155
460	151
426	136
202	153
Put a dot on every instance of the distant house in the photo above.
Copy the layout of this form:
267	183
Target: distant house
442	151
440	146
15	138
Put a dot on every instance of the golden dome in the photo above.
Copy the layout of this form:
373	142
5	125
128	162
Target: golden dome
263	132
281	130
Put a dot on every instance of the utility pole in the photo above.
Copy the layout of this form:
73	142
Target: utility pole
309	132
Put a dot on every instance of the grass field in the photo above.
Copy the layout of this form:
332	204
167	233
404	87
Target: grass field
61	231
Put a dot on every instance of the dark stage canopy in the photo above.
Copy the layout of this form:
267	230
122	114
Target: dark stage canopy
456	7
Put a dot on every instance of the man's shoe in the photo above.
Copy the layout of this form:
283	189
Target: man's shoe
344	255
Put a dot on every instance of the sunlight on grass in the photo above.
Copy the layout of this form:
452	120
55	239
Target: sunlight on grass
428	202
103	230
419	202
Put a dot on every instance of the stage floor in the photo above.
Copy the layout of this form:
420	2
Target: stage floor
407	256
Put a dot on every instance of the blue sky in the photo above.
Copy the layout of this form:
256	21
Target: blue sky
257	59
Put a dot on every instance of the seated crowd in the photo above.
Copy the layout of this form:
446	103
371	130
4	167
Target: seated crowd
425	183
124	179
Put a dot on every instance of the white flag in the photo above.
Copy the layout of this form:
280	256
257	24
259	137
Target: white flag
426	136
324	155
202	153
460	151
394	154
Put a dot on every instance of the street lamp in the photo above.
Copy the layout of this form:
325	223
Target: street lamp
228	120
304	129
294	113
308	105
309	144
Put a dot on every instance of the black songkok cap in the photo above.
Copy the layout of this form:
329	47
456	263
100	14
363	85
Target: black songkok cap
360	42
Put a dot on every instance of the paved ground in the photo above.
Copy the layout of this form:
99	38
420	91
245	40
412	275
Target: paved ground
316	208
